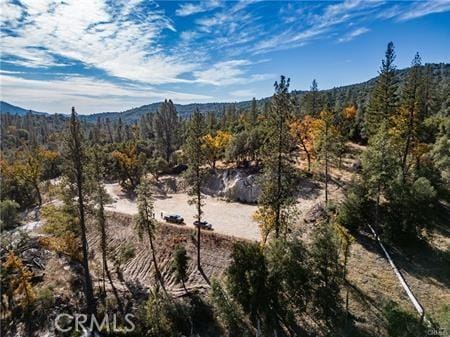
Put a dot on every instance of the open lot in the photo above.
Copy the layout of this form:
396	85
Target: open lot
228	218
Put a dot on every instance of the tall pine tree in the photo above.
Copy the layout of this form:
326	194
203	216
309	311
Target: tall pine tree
195	173
384	101
75	167
278	176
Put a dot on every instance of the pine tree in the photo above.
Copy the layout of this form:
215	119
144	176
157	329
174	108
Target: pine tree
328	273
100	198
180	265
195	173
314	107
76	161
379	166
166	125
278	176
312	101
412	111
253	113
119	131
384	101
145	221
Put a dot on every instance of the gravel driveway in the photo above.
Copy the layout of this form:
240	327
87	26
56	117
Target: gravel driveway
230	218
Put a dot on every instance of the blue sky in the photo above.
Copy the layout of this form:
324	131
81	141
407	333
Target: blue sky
104	55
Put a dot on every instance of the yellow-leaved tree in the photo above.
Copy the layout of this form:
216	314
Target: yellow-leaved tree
21	285
214	146
302	131
130	165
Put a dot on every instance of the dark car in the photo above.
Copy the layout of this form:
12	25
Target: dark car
203	224
173	218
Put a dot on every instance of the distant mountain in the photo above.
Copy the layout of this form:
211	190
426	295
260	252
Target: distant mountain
16	110
184	110
358	93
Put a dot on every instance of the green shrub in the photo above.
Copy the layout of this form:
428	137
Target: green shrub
8	214
45	300
125	253
401	323
354	212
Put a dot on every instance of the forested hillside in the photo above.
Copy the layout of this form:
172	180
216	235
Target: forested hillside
15	110
83	195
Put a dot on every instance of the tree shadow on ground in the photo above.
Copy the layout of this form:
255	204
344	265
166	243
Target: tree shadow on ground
421	258
307	188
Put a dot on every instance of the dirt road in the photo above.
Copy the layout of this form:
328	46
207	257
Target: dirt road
228	218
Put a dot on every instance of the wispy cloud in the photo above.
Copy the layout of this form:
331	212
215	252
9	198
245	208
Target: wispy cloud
188	9
229	72
317	25
89	93
123	40
355	33
423	8
243	93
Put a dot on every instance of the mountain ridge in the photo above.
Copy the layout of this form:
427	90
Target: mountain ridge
6	107
358	91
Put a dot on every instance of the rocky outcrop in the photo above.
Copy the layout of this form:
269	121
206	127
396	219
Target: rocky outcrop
234	185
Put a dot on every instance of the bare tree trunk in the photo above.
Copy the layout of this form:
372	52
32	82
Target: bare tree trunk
38	192
155	262
408	143
279	168
326	165
199	215
308	156
90	300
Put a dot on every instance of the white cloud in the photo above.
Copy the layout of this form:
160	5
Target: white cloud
97	35
355	33
318	25
10	13
423	8
191	8
229	72
243	94
89	94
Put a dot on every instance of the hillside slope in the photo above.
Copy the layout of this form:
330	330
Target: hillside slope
16	110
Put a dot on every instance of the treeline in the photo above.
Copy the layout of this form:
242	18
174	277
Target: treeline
405	168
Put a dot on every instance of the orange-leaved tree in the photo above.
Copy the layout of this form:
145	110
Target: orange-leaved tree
302	131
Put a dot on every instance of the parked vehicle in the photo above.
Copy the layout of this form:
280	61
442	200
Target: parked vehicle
203	224
174	218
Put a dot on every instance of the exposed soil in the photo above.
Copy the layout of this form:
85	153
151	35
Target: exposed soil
229	218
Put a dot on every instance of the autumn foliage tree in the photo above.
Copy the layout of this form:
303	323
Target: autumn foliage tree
130	164
29	167
214	146
303	132
21	284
